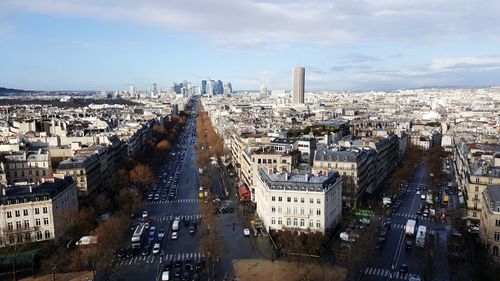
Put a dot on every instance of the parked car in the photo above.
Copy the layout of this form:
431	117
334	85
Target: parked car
174	235
246	232
156	248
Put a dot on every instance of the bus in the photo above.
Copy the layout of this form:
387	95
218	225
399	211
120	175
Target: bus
420	238
138	236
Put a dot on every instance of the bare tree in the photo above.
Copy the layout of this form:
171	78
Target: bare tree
142	175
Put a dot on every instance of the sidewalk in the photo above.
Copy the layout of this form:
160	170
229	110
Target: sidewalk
71	276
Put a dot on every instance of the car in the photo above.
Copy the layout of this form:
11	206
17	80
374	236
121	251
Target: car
150	197
145	214
120	253
388	223
199	265
192	228
408	244
174	235
188	264
156	248
418	192
365	220
168	265
146	225
422	196
403	268
165	276
161	233
246	232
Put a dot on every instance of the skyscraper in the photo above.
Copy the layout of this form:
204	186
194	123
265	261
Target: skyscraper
298	83
203	87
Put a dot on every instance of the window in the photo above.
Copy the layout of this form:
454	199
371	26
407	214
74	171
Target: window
476	197
25	212
19	238
302	211
311	200
273	198
264	161
280	222
273	220
38	235
45	221
259	161
9	225
279	209
47	234
311	223
280	198
494	251
310	211
318	201
302	222
318	212
476	188
274	161
18	224
38	222
497	223
294	210
302	200
474	214
289	199
318	224
273	209
288	210
295	199
45	210
477	180
37	211
18	213
288	221
496	237
27	236
26	224
9	214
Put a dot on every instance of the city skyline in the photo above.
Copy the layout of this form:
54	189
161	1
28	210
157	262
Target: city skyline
89	45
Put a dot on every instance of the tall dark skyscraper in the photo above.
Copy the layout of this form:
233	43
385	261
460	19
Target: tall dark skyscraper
203	87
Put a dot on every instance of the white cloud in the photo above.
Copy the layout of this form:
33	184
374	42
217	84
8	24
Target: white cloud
245	22
465	63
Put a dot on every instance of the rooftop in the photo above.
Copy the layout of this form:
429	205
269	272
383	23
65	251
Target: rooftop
43	191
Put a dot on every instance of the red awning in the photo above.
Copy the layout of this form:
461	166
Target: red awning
244	192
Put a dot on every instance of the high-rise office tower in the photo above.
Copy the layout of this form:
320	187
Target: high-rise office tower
155	88
131	91
298	83
203	87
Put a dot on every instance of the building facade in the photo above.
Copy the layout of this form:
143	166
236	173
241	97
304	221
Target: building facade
85	170
37	212
304	202
489	231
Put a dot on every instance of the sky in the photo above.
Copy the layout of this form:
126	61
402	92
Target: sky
343	44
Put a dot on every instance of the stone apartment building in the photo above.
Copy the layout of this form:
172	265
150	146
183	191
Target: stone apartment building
37	212
304	202
85	170
489	231
29	167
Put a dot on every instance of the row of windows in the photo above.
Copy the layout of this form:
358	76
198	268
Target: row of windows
295	222
26	212
30	172
26	237
295	199
295	210
38	222
270	161
26	165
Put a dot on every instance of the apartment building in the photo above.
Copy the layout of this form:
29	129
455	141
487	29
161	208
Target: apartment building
489	231
355	166
304	202
477	166
37	212
86	172
29	167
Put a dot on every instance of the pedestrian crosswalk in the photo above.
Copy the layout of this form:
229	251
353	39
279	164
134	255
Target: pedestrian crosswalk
145	259
382	272
182	217
412	216
187	200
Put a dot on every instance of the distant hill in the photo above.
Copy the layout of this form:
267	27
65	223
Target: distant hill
6	91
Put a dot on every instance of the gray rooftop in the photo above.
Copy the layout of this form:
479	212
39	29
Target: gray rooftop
43	191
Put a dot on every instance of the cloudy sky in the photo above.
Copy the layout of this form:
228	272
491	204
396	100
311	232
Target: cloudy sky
344	44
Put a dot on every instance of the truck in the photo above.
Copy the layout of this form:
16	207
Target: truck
420	238
175	224
410	227
86	240
138	236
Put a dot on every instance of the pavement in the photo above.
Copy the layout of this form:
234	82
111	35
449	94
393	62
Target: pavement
393	254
